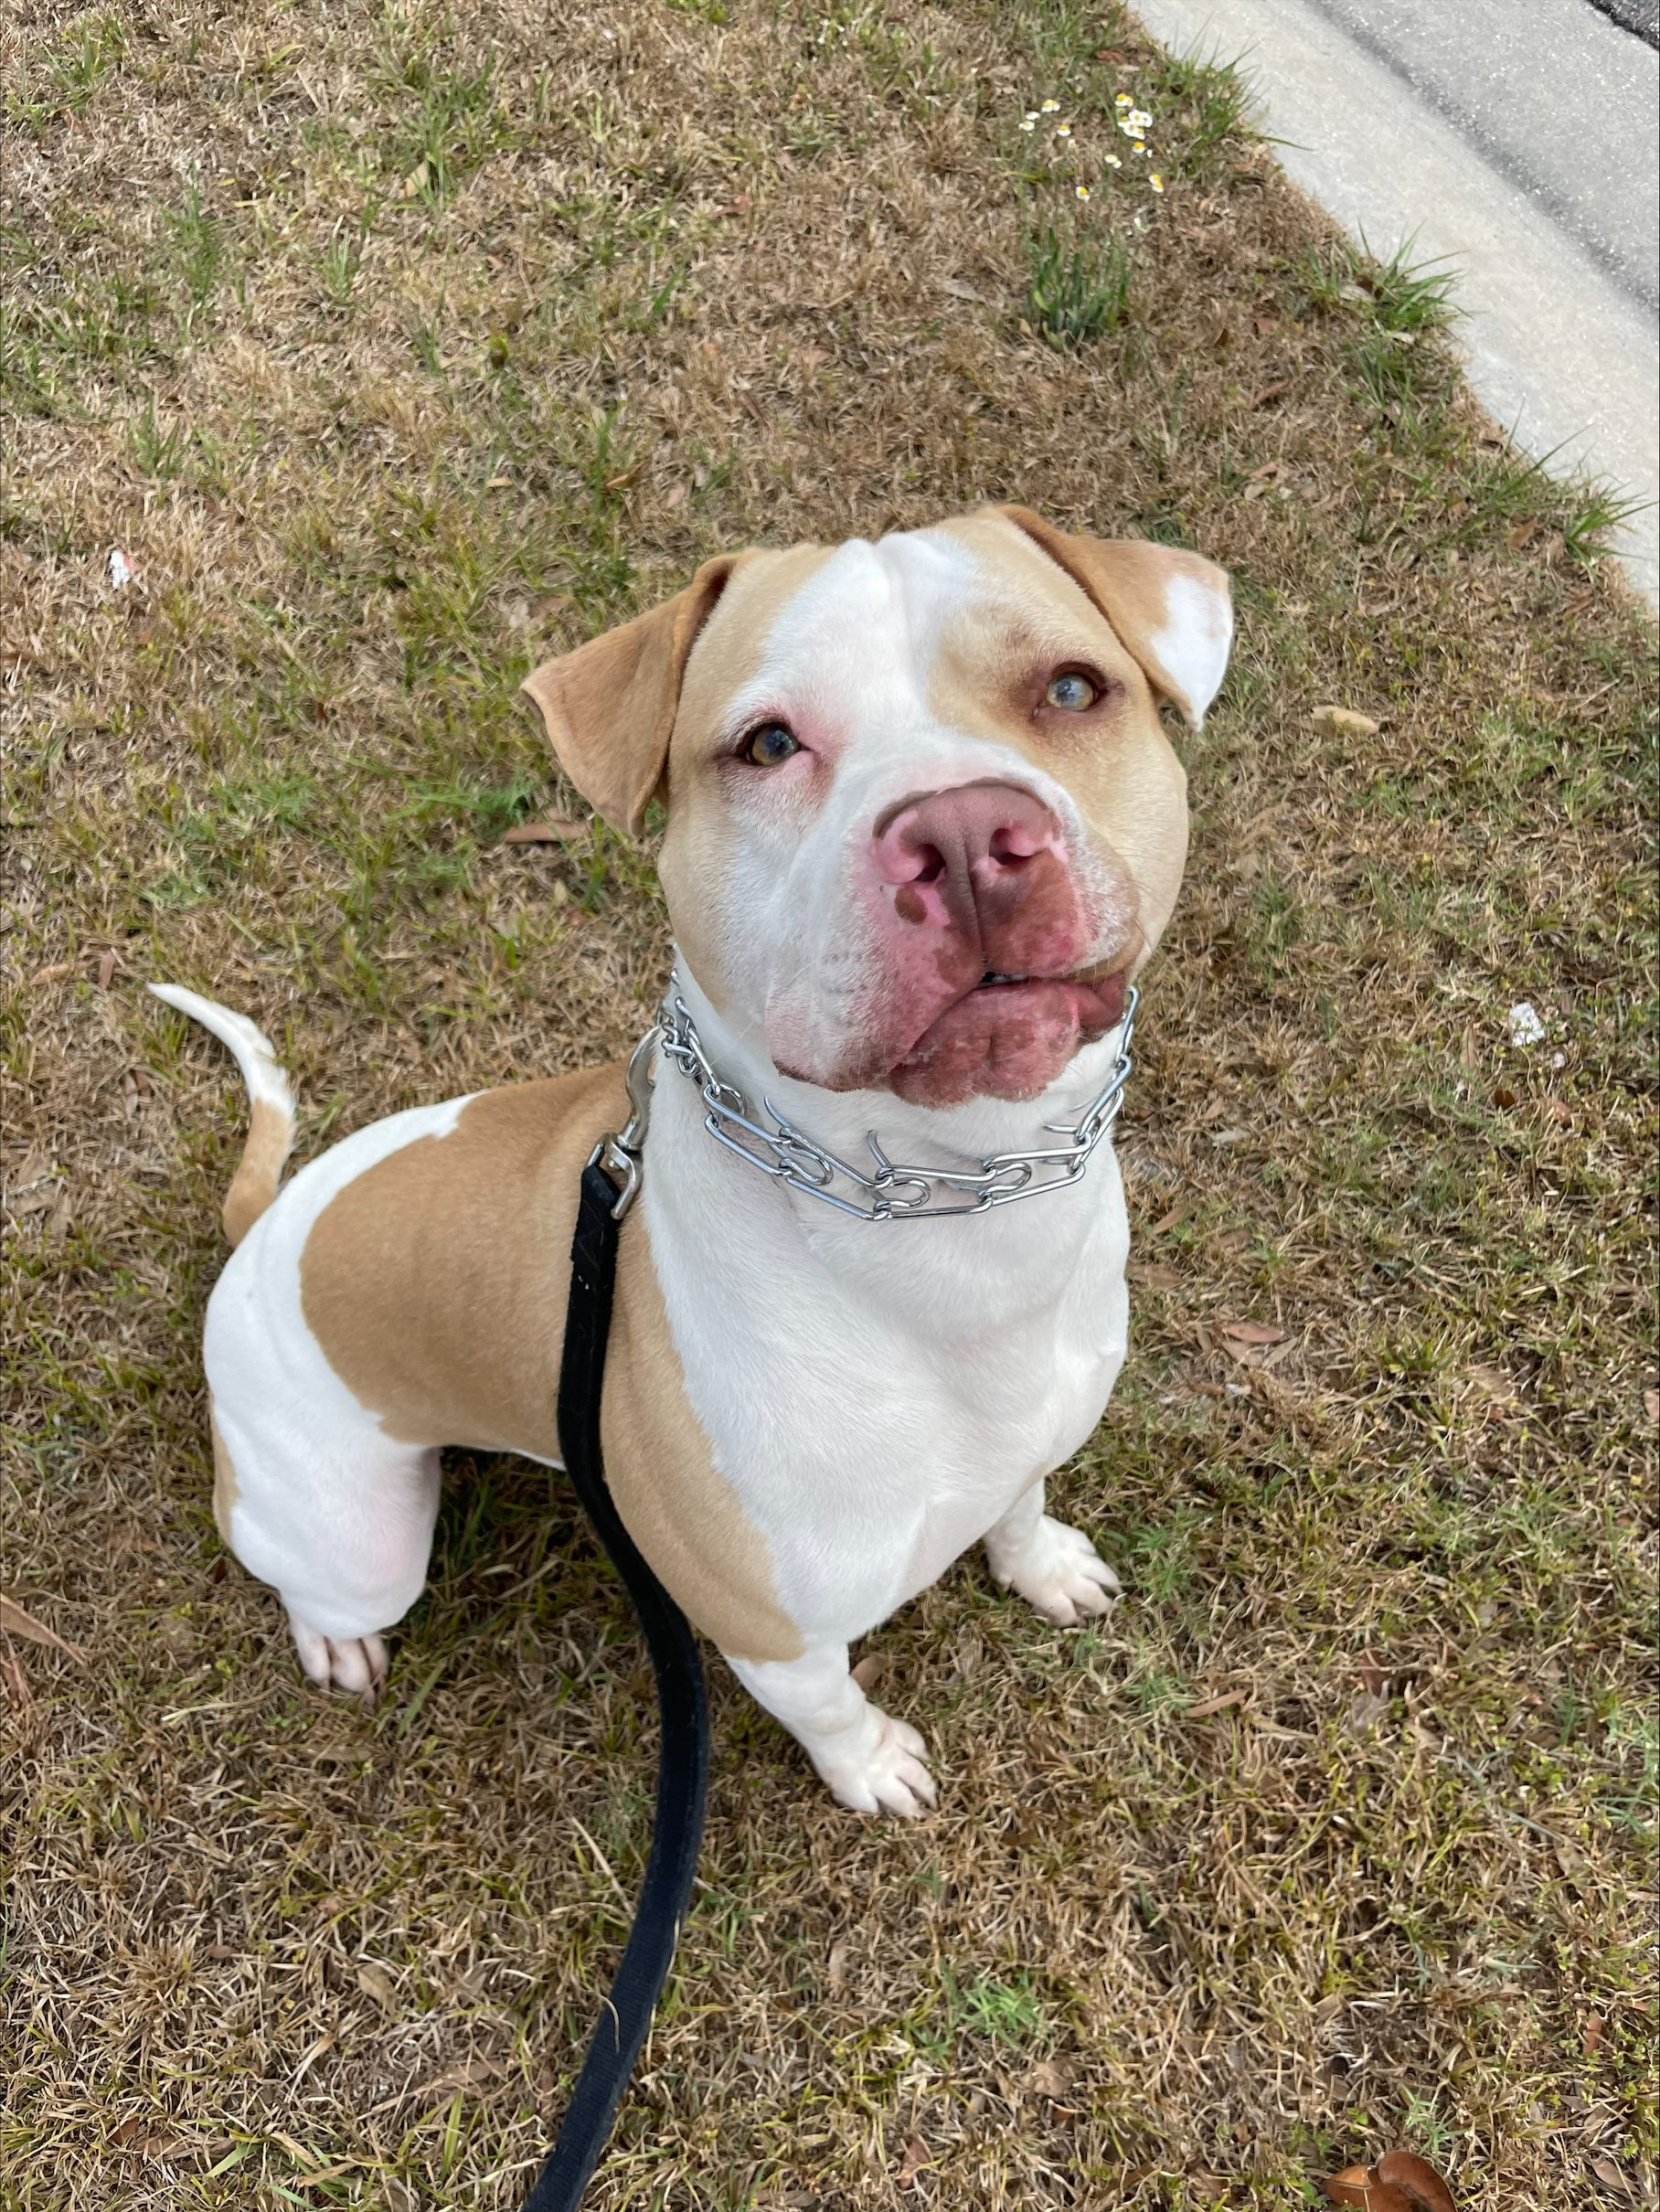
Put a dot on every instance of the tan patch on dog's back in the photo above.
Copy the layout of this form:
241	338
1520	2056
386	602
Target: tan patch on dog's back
436	1283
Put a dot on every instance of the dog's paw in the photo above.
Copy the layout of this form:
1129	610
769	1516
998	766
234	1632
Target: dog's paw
1061	1572
357	1664
886	1774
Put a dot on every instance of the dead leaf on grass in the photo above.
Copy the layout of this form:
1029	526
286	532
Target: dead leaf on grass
1417	2180
916	2156
1216	1705
1269	392
1253	1332
1400	2182
16	1622
374	1981
1651	1404
1343	722
106	969
870	1670
1610	2176
1048	2079
555	832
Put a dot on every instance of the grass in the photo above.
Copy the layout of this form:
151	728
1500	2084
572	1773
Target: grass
398	346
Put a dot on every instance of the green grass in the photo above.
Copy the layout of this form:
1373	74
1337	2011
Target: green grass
1079	288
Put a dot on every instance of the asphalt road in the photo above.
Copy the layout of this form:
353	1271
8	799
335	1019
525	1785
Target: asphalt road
1518	137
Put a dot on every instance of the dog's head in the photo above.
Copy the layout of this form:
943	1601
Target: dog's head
924	824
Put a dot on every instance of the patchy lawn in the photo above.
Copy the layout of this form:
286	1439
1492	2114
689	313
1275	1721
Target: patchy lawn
394	347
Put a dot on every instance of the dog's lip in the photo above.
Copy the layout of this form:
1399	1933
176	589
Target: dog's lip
1090	978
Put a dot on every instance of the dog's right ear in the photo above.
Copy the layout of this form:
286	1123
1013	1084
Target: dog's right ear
610	706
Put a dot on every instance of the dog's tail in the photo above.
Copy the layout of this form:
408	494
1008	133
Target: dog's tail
271	1136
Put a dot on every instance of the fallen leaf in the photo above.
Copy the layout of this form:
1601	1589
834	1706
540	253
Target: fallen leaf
555	830
55	973
1610	2176
1417	2180
374	1981
1359	2187
1651	1404
628	476
1494	1384
1525	529
836	1965
675	496
1178	1213
1216	1705
959	289
106	969
1592	2037
1048	2080
1113	54
870	1670
414	182
1343	722
1276	391
1253	1332
16	1622
914	2159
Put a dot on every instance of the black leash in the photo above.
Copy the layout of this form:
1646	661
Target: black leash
683	1750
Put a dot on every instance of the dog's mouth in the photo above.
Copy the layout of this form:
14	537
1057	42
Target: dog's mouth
1010	1035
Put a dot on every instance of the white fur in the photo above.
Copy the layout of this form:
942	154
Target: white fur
1193	645
249	1047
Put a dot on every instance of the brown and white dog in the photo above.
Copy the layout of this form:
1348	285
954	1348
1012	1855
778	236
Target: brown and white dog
924	826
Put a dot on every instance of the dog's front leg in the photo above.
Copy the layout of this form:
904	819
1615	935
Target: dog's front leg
1054	1568
872	1762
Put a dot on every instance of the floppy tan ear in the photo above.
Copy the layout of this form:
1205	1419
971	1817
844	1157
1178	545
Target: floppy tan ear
610	706
1173	610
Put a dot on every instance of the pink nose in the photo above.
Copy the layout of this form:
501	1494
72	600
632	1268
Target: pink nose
972	840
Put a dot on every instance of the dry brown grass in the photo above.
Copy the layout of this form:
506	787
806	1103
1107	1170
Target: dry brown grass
642	280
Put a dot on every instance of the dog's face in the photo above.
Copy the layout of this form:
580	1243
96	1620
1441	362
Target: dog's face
923	821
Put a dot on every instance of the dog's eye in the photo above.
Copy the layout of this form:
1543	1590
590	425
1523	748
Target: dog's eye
1072	691
768	745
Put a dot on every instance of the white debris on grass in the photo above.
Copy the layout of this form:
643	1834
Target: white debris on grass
1524	1024
120	569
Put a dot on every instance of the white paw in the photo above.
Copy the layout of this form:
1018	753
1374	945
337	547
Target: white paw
886	1774
356	1664
1061	1573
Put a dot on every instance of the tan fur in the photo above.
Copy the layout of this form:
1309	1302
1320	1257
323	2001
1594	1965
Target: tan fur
1126	578
226	1490
254	1185
676	1504
609	707
435	1283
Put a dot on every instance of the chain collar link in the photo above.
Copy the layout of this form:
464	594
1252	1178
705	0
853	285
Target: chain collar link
769	1141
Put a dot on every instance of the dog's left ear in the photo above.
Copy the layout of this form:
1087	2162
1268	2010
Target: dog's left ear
610	706
1172	610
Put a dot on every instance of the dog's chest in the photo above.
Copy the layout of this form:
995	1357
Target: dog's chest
876	1419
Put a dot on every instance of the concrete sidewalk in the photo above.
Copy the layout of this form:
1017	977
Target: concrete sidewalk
1518	138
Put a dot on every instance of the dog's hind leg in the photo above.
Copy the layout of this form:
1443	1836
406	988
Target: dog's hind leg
341	1528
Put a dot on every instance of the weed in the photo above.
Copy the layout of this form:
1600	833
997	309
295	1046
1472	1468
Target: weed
1079	287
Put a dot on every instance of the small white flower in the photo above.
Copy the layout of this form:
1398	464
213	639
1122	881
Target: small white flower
1049	107
1083	191
1029	124
1139	118
1122	102
1111	161
1031	116
1155	180
1063	130
1524	1024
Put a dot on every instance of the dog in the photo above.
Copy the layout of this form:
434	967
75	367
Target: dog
923	829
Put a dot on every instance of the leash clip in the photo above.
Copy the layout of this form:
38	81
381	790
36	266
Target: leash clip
619	1154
